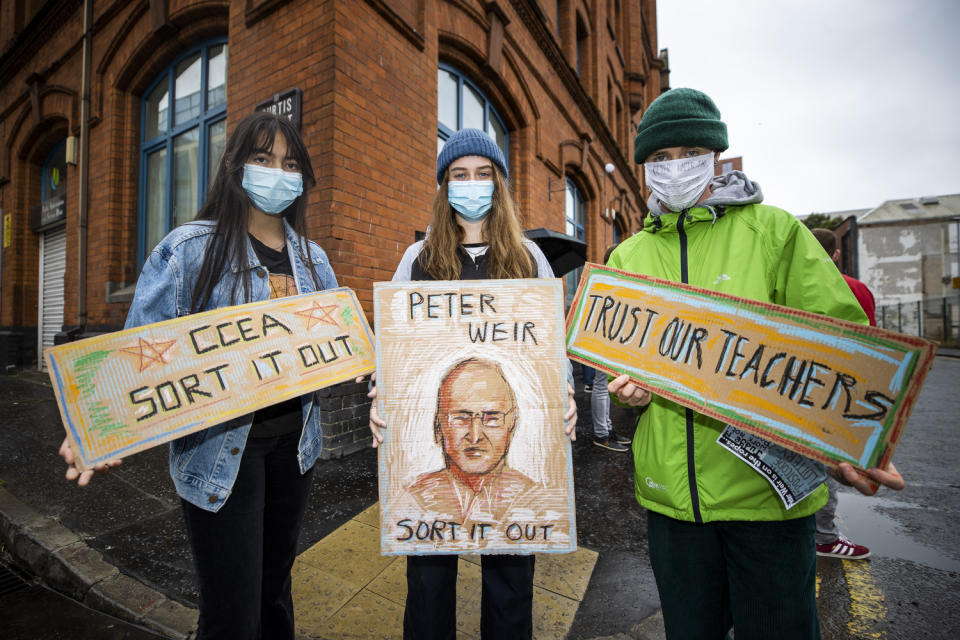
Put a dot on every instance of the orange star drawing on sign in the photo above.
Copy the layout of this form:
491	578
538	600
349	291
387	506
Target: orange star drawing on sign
316	313
149	353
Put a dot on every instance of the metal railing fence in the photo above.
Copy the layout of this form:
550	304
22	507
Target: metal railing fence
936	319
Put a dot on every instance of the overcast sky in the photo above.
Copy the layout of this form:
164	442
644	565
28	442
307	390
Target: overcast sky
833	104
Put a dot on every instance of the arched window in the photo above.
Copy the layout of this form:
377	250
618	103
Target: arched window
183	133
461	104
575	228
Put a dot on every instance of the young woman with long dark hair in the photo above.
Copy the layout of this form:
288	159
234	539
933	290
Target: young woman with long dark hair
243	484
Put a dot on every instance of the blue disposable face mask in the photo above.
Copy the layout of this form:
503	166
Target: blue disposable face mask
271	190
471	198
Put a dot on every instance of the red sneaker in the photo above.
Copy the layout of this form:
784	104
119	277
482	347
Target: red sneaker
843	548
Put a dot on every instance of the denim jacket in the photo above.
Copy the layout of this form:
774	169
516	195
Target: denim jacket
204	464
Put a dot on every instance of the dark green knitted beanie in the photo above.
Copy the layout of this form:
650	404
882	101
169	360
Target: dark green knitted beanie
680	118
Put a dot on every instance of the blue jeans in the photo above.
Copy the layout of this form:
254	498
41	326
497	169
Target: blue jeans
588	374
600	406
827	530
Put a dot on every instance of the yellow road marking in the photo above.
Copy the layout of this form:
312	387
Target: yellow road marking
868	609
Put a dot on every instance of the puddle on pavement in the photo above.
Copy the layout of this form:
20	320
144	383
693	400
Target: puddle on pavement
861	522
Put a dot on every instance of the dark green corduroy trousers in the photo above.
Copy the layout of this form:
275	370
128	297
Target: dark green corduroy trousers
757	577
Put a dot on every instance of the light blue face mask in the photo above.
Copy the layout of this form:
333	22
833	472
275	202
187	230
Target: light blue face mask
271	190
471	198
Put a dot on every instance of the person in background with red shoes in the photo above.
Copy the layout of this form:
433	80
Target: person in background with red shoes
830	542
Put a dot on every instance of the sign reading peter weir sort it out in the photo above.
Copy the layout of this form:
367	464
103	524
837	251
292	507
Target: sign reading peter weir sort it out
832	390
123	392
472	383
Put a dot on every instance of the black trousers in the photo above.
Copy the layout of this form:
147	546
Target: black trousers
243	553
506	601
758	577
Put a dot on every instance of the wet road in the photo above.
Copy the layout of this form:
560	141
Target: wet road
910	586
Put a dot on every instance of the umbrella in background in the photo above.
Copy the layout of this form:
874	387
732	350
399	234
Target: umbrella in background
563	252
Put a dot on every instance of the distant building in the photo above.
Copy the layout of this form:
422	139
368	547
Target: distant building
726	165
908	258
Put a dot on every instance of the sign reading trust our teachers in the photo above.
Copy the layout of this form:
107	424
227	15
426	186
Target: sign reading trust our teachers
123	392
831	390
472	383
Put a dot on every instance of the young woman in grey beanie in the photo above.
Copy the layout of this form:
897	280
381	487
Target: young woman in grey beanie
725	550
474	234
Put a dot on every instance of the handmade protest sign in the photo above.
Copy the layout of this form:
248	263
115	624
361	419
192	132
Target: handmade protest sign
123	392
831	390
472	383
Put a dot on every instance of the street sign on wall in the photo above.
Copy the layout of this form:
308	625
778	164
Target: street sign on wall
288	104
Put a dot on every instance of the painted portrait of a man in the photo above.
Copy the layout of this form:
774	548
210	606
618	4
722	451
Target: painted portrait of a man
475	458
474	423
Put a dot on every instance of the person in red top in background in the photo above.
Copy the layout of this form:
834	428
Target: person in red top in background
830	542
864	297
828	240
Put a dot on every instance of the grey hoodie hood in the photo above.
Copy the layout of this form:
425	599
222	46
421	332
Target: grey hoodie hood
730	189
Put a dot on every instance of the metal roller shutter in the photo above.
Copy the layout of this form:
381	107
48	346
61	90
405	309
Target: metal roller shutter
53	264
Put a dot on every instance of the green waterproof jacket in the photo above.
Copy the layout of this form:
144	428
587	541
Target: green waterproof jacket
754	251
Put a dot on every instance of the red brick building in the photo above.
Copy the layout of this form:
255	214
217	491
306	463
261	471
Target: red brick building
114	113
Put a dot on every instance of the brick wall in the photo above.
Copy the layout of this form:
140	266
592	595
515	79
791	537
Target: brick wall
368	72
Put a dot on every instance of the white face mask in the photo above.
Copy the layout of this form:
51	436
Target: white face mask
678	184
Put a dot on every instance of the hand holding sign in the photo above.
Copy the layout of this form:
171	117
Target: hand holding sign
376	422
83	477
629	393
570	417
846	474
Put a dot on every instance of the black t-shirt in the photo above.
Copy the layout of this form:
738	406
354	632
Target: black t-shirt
285	417
473	263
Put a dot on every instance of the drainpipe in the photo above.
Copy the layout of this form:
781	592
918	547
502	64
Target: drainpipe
84	167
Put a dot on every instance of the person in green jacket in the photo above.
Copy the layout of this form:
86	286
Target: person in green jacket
725	550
